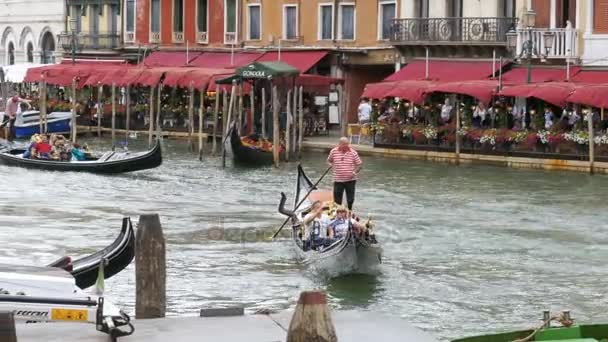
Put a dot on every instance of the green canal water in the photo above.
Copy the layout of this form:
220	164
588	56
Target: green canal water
467	250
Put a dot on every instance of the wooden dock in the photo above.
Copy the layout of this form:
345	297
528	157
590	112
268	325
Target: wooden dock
350	326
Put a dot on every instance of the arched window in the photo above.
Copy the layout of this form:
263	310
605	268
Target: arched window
11	53
48	48
30	52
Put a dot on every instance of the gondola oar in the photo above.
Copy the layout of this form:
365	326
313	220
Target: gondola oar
302	201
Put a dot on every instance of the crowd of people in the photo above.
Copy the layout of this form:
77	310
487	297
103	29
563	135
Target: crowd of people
54	147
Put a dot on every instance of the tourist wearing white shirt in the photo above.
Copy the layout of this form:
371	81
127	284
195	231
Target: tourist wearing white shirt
364	112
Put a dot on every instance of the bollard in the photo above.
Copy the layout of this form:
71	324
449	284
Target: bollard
150	268
7	327
311	320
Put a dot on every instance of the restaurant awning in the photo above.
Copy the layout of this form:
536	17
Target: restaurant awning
218	60
520	75
377	90
301	60
591	77
483	90
591	95
414	91
170	58
444	70
199	78
555	93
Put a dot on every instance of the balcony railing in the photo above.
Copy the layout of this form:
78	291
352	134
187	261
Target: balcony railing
154	37
230	38
201	37
90	40
178	37
129	37
565	42
469	31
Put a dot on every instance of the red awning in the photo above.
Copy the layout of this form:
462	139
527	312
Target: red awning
448	71
377	90
482	90
592	95
520	75
219	60
301	60
591	76
317	83
555	93
184	77
414	91
170	58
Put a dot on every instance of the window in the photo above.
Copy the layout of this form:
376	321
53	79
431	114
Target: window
422	8
201	16
77	14
600	13
346	17
30	52
386	14
130	15
255	16
178	15
155	14
230	19
326	22
290	22
11	53
113	19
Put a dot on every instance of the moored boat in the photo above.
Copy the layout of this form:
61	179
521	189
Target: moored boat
116	257
352	254
110	162
250	150
28	123
566	331
46	294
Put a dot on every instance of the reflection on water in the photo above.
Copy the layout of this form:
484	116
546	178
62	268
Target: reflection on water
467	249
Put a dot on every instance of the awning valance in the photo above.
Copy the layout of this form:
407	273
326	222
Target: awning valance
556	93
301	60
225	60
170	58
482	90
444	70
519	75
591	95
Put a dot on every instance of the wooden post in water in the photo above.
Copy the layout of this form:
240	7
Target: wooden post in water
215	120
113	115
300	121
150	268
263	112
591	141
201	117
190	116
251	126
275	126
128	111
311	320
43	115
239	124
288	126
456	103
73	121
294	121
602	114
231	105
8	333
99	107
342	112
158	111
224	112
151	117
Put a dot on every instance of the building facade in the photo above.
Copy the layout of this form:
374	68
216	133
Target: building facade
92	28
30	30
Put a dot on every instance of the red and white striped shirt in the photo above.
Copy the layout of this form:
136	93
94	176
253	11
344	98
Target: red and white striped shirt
344	164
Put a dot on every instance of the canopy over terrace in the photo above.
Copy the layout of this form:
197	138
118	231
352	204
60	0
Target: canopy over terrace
482	90
590	95
556	93
414	91
519	75
446	71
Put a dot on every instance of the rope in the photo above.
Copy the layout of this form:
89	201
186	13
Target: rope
559	318
268	312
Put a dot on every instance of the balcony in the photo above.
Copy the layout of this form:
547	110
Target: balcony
201	37
230	38
90	40
565	42
155	37
451	31
178	37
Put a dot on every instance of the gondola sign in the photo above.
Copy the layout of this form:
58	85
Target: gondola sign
254	73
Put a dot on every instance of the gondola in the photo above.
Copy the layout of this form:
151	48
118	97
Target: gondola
45	294
109	163
247	154
353	254
117	255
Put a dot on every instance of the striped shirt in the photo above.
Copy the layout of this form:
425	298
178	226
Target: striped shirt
344	164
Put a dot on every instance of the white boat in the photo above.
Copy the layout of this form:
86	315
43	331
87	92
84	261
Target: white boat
351	255
49	294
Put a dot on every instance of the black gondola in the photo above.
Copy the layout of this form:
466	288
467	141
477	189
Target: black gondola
117	255
245	155
109	162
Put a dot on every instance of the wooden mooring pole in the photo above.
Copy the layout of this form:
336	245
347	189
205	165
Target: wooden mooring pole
150	268
456	103
8	332
190	116
215	120
151	118
263	113
113	115
275	126
231	105
294	121
300	121
288	126
201	117
128	111
73	121
591	141
99	107
311	320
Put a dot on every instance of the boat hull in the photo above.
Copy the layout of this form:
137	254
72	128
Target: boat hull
118	162
53	126
247	156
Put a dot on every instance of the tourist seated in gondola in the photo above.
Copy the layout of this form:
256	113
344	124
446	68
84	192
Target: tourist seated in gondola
60	149
78	153
32	146
42	149
338	228
316	223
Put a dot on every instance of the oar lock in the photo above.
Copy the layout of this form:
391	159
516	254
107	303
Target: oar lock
564	318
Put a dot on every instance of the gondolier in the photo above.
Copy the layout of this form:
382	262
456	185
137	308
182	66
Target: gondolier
12	107
346	164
